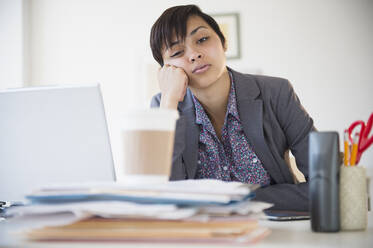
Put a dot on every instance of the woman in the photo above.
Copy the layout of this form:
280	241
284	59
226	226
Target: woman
232	126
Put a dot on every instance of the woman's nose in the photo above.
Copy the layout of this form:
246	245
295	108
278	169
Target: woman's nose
195	56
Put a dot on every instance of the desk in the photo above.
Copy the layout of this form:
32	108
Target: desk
284	234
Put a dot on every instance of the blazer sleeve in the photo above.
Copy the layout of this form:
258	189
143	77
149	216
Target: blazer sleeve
178	171
296	125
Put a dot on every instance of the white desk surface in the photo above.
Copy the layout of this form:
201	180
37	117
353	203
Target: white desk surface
284	234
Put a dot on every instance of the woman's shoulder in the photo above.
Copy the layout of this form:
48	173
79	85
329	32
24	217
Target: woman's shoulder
267	85
268	82
273	86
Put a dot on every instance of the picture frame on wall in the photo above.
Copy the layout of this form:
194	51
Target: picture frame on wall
229	24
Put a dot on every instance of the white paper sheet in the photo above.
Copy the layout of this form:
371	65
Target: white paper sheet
201	186
106	209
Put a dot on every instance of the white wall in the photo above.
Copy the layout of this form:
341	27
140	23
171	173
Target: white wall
324	47
11	44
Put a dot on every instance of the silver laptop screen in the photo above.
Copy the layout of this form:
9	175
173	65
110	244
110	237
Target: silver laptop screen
52	135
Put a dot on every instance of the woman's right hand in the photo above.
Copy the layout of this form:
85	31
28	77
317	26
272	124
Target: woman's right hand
173	82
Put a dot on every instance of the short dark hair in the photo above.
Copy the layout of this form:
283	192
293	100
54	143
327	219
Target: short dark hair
173	22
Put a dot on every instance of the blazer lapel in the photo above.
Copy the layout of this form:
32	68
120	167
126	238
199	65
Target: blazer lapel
191	150
250	109
192	130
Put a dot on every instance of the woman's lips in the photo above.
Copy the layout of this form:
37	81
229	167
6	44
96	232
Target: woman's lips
201	69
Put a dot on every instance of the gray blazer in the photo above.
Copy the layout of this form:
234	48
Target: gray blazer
273	121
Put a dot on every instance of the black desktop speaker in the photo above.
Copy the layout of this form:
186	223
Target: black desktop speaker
324	181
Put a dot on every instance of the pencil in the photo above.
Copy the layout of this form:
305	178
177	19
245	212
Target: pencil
346	148
354	149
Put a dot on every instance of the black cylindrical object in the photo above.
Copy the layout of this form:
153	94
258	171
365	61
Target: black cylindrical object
324	181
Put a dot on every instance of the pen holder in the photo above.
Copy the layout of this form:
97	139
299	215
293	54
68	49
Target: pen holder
353	198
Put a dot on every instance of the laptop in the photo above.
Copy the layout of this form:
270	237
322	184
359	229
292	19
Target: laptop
52	135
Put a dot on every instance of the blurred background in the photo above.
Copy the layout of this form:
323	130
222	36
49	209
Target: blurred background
324	47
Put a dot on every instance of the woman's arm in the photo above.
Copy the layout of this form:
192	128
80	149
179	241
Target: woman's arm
178	171
292	197
296	124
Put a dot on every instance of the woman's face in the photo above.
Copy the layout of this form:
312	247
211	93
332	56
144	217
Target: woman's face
201	55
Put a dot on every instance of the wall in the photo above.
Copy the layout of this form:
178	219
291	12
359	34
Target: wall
12	57
324	47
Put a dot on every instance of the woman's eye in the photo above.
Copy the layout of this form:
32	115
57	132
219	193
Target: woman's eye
203	39
176	54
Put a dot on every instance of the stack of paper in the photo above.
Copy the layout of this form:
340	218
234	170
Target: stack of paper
180	211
